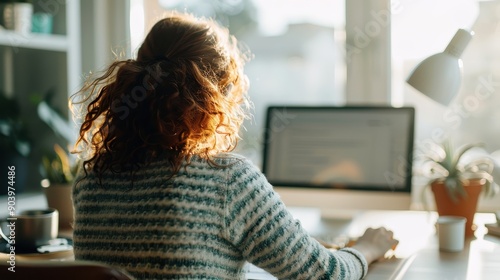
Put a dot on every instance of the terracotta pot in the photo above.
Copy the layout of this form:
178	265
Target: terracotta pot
464	206
59	197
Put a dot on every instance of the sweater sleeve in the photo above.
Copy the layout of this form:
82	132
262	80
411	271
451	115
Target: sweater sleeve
259	225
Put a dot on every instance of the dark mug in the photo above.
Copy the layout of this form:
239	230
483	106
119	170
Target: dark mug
31	228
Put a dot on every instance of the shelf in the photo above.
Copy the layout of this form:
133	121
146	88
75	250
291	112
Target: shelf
49	42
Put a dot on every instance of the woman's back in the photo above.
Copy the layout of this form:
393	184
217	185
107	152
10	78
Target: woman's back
158	227
202	224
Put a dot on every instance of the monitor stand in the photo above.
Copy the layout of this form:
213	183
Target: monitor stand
339	215
342	204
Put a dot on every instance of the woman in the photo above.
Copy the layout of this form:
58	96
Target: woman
162	197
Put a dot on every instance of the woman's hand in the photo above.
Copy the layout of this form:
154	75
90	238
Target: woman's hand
374	243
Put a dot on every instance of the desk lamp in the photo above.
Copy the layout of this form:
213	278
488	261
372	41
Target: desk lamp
439	75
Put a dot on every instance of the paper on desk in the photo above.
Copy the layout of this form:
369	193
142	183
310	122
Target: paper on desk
253	272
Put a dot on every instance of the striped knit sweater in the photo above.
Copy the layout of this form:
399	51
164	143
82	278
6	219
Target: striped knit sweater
204	223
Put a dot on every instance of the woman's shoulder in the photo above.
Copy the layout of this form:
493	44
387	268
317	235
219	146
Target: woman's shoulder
240	169
229	158
230	168
224	163
232	161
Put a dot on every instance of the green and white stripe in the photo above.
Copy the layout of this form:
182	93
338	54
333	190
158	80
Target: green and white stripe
204	223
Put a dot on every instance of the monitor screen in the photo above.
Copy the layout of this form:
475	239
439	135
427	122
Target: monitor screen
355	148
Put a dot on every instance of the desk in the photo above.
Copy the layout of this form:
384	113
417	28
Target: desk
417	255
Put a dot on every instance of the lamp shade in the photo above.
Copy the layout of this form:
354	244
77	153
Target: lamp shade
439	76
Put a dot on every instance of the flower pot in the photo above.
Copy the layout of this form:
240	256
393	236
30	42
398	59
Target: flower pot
464	206
59	197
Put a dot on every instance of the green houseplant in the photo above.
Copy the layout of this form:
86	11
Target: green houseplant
58	167
456	182
59	172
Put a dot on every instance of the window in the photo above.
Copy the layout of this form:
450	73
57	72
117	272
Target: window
298	51
471	116
302	52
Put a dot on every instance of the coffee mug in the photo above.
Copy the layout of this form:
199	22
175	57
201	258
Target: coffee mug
451	233
32	228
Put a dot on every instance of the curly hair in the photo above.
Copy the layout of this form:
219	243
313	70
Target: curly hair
184	95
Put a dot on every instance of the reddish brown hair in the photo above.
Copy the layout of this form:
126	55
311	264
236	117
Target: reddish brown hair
185	94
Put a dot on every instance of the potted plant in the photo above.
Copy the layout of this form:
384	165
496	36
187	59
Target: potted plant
59	172
456	183
58	168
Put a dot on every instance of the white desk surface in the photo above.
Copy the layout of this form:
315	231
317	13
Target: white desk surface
417	255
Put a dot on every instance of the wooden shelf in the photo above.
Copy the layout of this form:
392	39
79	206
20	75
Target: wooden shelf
49	42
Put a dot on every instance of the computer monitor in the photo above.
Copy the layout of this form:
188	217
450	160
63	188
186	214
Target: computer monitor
340	158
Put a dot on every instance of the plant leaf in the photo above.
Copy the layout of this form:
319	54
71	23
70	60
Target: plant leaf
484	164
461	151
435	170
65	165
58	124
452	185
434	153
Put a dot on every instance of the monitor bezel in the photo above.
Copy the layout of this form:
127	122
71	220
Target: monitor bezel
407	186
